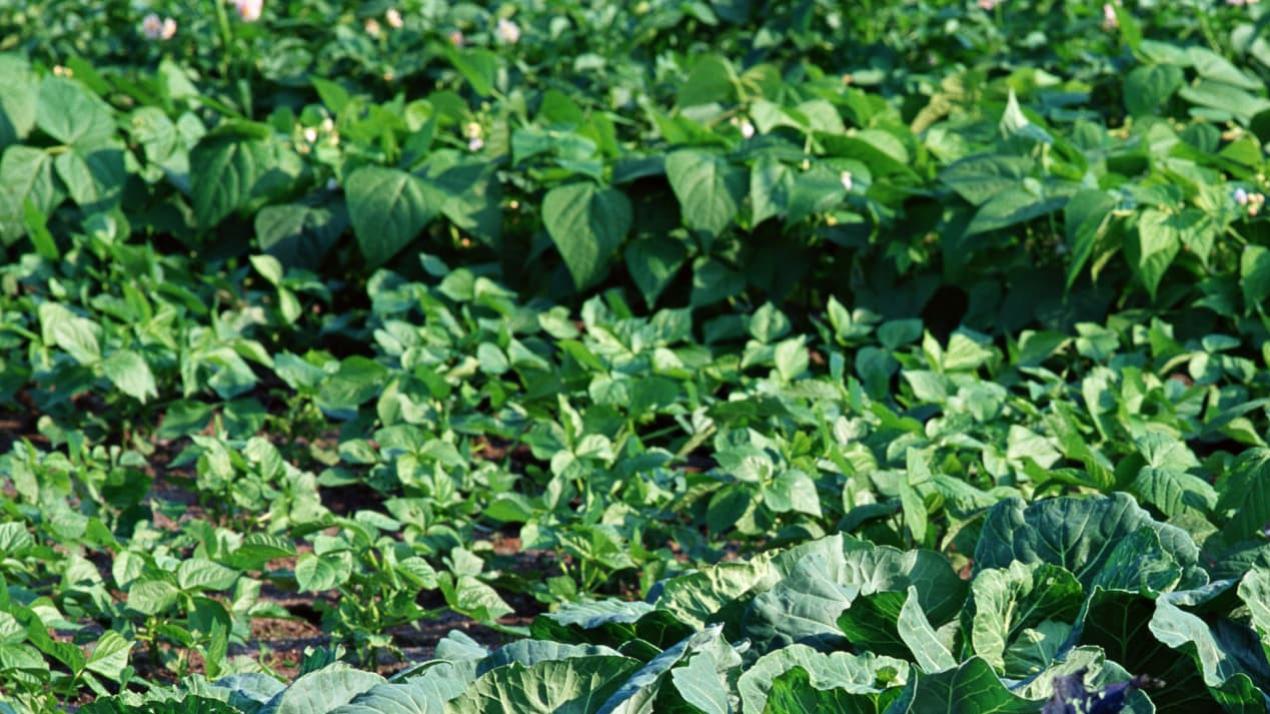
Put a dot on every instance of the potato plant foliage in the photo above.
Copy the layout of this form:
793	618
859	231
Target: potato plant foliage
694	356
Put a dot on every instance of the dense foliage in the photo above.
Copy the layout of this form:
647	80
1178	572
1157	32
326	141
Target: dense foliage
672	356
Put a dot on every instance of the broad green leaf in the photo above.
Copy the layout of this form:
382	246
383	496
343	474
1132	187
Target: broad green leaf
1004	602
570	686
1174	491
1078	534
1254	275
71	114
299	235
26	173
709	188
638	692
823	578
701	685
587	224
76	335
652	264
970	687
321	691
529	652
794	693
1084	217
225	170
930	654
771	184
863	674
978	178
109	656
130	374
1254	590
203	574
1148	89
388	209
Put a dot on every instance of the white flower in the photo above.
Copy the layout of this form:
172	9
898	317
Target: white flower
249	10
456	38
847	183
472	130
476	143
507	31
1241	197
152	27
372	27
747	129
1109	19
311	135
169	29
394	18
988	5
328	124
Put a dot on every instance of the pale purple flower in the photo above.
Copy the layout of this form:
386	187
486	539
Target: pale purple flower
1241	196
152	27
988	5
249	10
507	31
1109	19
476	143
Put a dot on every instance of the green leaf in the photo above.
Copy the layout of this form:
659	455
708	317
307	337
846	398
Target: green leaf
709	188
700	684
824	578
1254	590
76	335
1005	602
203	574
130	374
652	264
26	173
1218	654
971	687
571	686
357	381
587	224
1079	534
72	115
1011	207
862	674
1254	275
978	178
151	597
1174	491
299	235
109	657
317	573
1159	241
1147	90
929	653
794	693
225	170
478	66
321	691
388	209
1084	217
771	183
